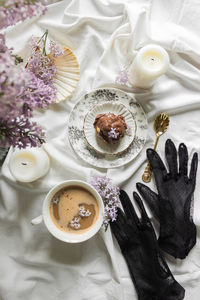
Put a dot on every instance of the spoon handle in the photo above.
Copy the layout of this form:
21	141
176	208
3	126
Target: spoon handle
146	177
156	142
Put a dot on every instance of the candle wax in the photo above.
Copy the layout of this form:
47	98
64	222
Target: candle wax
150	62
25	163
28	165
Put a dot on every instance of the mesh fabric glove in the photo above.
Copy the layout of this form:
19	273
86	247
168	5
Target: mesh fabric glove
173	204
137	240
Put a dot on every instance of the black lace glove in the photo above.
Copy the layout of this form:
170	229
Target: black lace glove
173	204
137	240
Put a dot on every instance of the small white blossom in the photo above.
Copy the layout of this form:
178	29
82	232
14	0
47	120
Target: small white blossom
56	200
75	223
83	212
113	133
128	131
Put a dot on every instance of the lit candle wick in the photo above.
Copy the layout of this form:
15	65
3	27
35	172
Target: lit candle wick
24	164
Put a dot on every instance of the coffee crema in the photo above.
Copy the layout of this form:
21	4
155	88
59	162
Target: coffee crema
74	209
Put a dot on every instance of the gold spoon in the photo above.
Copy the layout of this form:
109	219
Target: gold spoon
161	124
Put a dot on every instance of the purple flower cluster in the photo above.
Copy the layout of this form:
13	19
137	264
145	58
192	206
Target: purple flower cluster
11	82
83	213
113	133
24	89
21	91
55	49
20	132
36	94
13	11
110	196
122	77
42	66
75	223
35	43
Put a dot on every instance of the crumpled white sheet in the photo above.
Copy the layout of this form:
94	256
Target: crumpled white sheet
105	35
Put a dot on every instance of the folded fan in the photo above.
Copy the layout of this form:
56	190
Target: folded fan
173	204
67	75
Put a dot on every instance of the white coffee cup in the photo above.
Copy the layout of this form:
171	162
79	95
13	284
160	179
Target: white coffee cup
54	230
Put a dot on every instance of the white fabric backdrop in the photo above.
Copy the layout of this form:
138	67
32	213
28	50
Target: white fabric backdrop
105	35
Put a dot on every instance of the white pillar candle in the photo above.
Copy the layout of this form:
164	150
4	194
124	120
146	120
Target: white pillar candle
150	62
29	164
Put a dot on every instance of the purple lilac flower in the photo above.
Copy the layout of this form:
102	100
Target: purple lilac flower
3	47
56	200
83	212
113	133
12	80
42	66
20	92
110	196
128	130
13	11
122	77
35	43
75	223
23	90
20	88
55	49
36	94
20	132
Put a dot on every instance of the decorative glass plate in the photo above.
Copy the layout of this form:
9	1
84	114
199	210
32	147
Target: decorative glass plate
96	142
75	128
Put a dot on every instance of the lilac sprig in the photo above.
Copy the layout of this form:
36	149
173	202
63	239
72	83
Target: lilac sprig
13	11
55	49
84	212
40	63
75	223
110	197
22	91
122	77
20	132
113	133
36	94
12	81
42	66
35	43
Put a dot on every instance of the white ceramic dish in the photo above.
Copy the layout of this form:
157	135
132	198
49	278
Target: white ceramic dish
55	231
75	128
97	143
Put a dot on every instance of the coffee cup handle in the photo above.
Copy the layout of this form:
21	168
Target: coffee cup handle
37	220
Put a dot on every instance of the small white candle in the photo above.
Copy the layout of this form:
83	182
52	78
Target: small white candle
29	164
150	62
